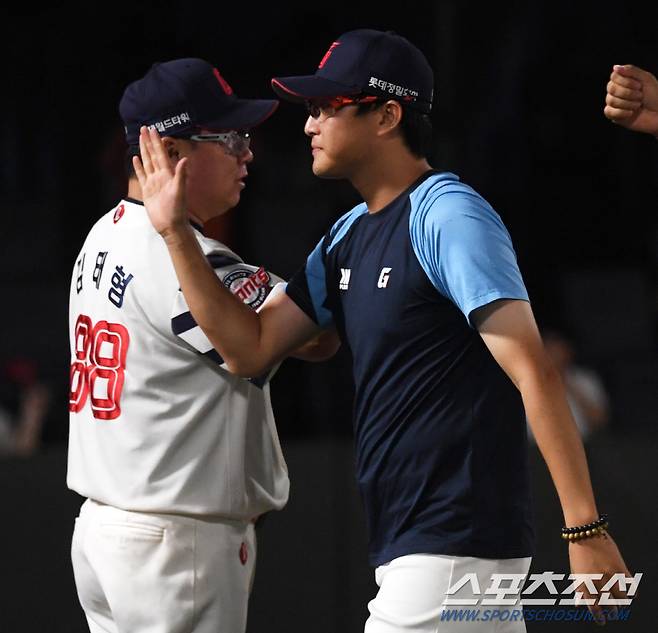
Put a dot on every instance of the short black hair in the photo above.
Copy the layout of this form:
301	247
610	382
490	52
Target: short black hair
133	150
415	127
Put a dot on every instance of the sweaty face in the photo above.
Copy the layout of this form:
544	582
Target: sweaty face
215	178
340	142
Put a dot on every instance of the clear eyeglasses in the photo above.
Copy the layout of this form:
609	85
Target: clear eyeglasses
234	142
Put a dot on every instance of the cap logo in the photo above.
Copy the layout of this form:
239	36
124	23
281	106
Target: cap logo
223	83
327	55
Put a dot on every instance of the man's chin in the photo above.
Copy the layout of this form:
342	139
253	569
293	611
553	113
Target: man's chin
322	170
234	201
225	205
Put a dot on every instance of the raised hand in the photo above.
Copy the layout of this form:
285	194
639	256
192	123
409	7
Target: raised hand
632	99
162	183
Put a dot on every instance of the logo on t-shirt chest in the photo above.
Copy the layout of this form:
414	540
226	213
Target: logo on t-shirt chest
344	283
384	276
381	281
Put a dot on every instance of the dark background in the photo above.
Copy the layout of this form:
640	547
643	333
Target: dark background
519	91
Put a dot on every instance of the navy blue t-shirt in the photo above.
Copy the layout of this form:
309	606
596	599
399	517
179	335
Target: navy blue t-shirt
440	429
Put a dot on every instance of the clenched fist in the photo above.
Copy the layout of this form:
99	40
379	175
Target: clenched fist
632	99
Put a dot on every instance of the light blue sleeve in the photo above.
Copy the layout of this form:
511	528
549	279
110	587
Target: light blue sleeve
464	247
316	279
308	288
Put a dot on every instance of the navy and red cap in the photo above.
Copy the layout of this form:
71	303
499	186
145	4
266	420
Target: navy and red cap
366	61
183	95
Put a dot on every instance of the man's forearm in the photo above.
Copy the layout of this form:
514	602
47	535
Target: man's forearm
231	326
559	441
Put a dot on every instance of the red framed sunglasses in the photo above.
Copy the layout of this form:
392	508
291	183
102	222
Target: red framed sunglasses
328	107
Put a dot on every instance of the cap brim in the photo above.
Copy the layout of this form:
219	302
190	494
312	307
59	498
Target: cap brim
309	87
244	114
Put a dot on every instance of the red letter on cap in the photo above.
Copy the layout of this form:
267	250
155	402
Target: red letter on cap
327	55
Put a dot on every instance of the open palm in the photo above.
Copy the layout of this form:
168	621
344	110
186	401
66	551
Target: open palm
162	184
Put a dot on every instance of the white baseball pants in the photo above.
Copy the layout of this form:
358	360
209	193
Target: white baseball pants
413	591
157	573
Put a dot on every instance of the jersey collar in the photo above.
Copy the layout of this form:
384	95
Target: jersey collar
195	225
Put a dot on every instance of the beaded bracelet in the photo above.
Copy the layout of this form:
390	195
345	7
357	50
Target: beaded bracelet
586	531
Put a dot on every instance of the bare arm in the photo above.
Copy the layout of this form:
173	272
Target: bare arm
509	331
249	342
321	348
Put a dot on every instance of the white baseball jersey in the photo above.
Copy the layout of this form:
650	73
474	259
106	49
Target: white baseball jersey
157	424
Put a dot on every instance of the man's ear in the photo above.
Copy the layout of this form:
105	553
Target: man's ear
390	115
172	147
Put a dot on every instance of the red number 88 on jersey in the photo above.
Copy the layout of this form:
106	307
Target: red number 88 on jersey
99	367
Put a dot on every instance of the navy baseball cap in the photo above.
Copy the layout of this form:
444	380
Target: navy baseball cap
180	96
366	61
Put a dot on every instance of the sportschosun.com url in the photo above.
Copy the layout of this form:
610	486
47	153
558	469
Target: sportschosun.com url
530	615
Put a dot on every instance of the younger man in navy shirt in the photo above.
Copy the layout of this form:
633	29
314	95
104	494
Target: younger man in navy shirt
421	282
